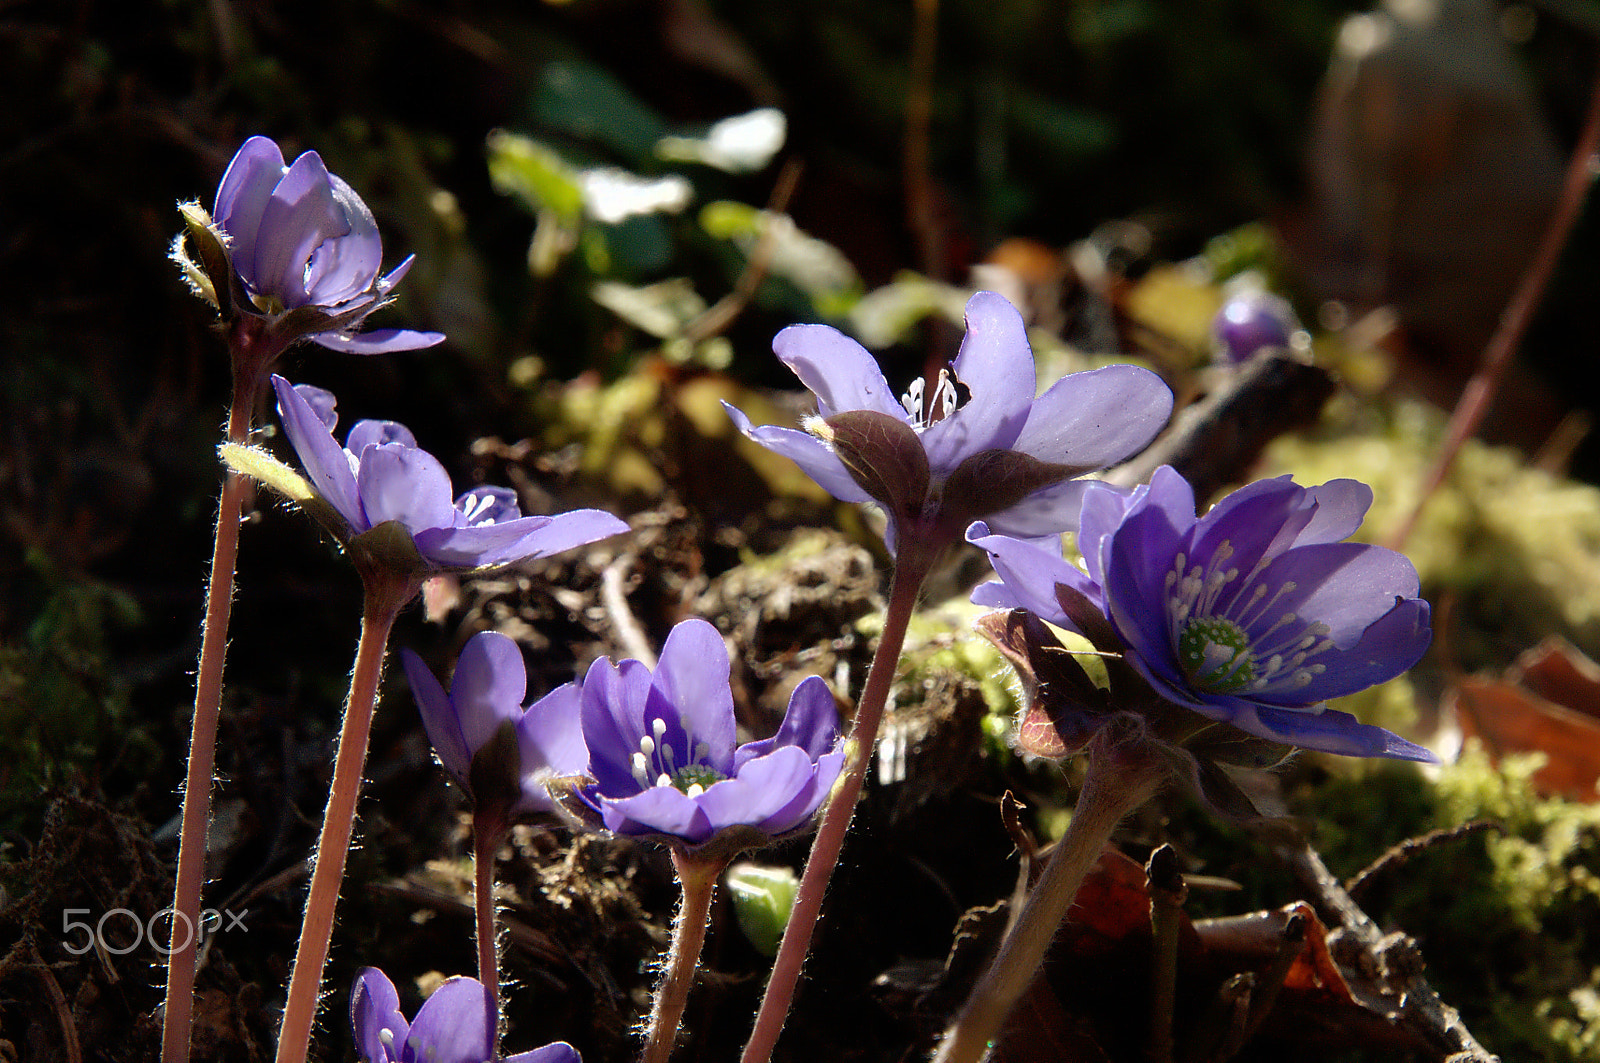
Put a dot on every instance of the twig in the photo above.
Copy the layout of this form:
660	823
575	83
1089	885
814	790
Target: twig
614	596
1399	854
919	116
1479	393
717	317
58	1002
1418	1003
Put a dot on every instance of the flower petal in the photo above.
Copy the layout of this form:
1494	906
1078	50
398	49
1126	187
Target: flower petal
1096	418
763	787
692	679
404	484
254	172
1103	507
837	369
1330	731
454	1025
488	687
344	267
811	723
1030	574
1048	511
809	798
551	731
613	705
324	460
439	717
815	458
526	537
996	365
658	810
558	1052
1393	643
1346	586
375	1008
364	434
299	216
378	341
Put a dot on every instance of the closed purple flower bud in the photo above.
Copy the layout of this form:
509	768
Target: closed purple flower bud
1254	615
973	443
454	1025
304	244
1251	321
494	747
663	757
381	475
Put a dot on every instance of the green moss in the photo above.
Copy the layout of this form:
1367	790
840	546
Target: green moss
1510	920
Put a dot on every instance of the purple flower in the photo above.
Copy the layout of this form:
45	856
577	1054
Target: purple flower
454	1025
483	710
301	240
973	443
1255	614
380	475
662	753
1250	321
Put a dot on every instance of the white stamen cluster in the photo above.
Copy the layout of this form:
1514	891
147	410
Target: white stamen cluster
1216	646
943	403
655	763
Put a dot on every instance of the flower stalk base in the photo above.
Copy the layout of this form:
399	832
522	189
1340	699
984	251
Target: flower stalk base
386	593
1122	775
698	880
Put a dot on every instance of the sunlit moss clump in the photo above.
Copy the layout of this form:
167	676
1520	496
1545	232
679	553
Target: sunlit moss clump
1509	919
1519	547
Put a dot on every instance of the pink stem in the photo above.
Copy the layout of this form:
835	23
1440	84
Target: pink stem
825	849
387	592
251	353
698	880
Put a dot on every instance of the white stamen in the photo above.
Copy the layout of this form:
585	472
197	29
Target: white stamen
912	401
641	769
647	745
663	779
695	790
386	1035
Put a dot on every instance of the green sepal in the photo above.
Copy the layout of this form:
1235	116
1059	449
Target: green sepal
495	775
212	275
762	899
389	546
266	469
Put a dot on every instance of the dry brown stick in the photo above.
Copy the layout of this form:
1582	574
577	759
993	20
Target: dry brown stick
1403	852
919	118
715	319
1419	1004
1479	393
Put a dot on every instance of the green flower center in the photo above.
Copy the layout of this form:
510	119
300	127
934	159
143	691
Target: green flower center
695	775
1216	655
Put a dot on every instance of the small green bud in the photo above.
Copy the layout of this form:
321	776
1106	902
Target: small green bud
762	900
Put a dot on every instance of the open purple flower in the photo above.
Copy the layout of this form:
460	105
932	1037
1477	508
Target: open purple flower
454	1025
973	443
380	475
302	242
663	757
1255	614
485	738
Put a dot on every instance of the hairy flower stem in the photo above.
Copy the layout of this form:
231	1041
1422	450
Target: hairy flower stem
1120	778
698	880
911	568
488	831
251	353
386	593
